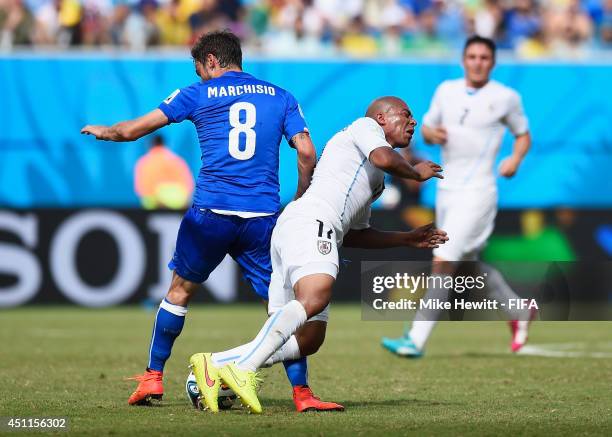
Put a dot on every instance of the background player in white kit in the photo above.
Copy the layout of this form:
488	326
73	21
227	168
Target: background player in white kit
334	210
468	117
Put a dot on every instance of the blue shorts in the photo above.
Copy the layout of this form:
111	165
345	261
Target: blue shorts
204	238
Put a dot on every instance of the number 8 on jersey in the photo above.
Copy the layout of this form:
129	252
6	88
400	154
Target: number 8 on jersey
245	128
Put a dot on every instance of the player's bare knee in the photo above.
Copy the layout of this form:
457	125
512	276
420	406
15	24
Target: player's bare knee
314	293
181	291
313	304
178	296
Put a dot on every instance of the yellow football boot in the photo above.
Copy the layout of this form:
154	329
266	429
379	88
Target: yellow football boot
244	383
207	378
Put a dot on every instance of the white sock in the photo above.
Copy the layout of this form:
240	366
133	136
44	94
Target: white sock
220	359
288	351
425	320
275	332
498	289
420	331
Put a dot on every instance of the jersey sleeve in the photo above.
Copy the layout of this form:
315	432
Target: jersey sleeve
367	135
362	221
294	119
179	105
515	119
433	117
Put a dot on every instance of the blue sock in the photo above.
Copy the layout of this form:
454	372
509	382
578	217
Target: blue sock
168	325
297	371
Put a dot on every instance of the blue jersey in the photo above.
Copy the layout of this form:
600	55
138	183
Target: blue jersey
240	121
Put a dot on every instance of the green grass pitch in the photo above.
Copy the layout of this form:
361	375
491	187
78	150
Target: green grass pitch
64	361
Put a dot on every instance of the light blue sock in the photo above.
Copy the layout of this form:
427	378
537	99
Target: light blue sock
297	371
168	325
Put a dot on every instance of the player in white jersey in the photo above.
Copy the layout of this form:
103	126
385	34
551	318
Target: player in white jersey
335	210
468	118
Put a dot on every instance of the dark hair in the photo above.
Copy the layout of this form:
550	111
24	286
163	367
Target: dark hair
475	39
223	45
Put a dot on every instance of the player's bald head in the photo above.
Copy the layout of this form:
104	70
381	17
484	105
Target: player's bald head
383	105
395	118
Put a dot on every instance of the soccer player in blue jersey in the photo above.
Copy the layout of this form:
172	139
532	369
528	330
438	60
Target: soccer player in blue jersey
240	121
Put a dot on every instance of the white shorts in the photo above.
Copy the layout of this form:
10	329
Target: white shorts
468	217
301	246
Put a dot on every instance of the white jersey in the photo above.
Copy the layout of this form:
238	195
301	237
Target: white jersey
345	183
474	121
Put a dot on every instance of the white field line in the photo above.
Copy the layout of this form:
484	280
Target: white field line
565	350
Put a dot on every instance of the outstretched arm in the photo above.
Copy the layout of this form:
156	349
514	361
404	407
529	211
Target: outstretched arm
128	130
410	157
391	162
426	237
307	159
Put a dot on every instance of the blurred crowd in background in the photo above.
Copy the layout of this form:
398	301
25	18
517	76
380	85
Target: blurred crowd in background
361	28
